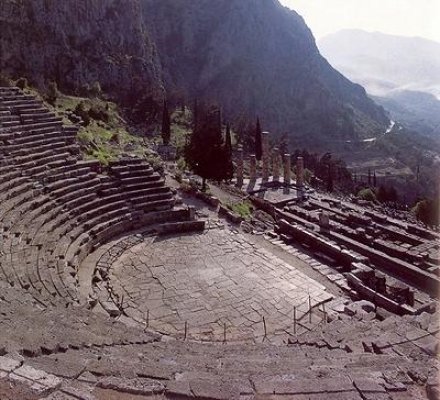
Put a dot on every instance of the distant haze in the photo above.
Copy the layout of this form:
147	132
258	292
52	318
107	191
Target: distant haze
396	17
402	72
383	63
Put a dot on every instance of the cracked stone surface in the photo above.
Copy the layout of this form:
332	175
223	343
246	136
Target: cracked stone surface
209	280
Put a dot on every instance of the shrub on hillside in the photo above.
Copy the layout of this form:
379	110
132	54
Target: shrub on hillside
5	81
22	83
428	212
95	90
82	112
99	113
52	93
366	194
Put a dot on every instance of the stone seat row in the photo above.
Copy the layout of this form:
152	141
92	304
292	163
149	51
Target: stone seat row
5	132
131	360
6	119
34	136
32	116
20	105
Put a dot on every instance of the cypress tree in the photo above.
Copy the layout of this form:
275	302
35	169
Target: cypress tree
369	177
166	124
229	167
258	141
205	153
374	178
228	139
195	113
329	178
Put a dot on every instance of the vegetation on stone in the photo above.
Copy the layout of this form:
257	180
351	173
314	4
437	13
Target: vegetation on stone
103	133
367	195
428	211
243	208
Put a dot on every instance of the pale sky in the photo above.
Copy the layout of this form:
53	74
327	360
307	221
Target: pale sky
397	17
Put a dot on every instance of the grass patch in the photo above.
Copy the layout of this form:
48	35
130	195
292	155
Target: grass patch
242	208
105	136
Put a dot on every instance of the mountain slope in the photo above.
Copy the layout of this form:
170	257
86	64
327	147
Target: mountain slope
418	111
259	58
254	57
382	62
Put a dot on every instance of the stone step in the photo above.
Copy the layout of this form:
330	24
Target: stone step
54	181
74	184
86	197
41	119
50	158
157	205
143	201
45	134
38	145
7	117
42	148
37	127
103	220
70	168
153	181
98	202
20	104
9	174
107	207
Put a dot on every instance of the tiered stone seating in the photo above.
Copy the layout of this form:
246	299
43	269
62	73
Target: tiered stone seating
143	189
343	360
56	208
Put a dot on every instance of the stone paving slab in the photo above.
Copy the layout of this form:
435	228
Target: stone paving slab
211	282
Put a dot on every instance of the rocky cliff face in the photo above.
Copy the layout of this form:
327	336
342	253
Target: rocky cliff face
254	57
78	43
258	58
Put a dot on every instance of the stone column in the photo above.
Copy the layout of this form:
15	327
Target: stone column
253	167
287	170
192	213
265	156
240	167
300	173
276	164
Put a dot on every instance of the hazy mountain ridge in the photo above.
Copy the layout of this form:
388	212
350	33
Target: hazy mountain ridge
401	73
383	62
252	56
